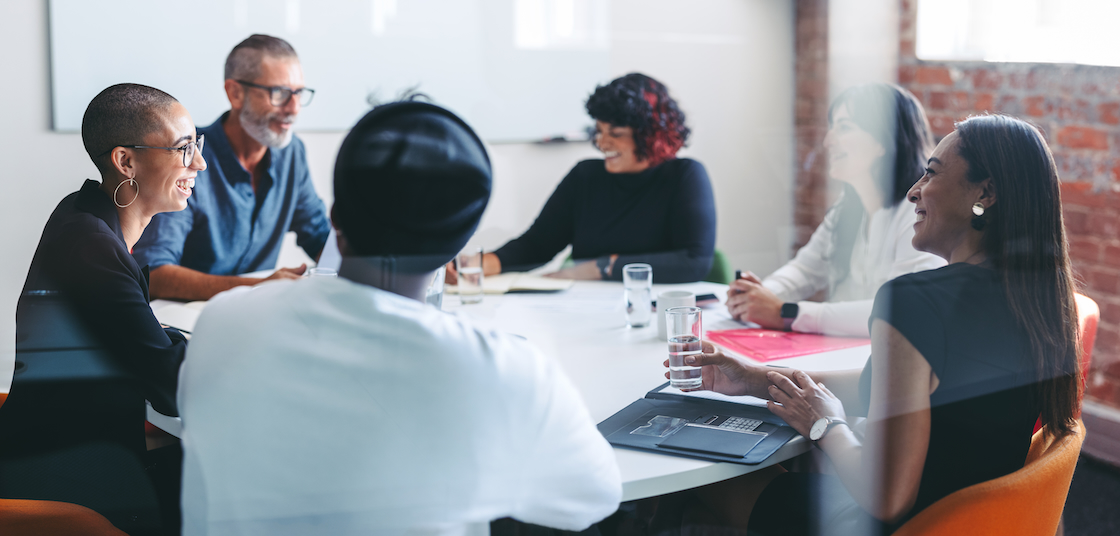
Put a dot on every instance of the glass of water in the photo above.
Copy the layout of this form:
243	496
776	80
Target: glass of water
637	279
469	265
434	295
322	272
686	331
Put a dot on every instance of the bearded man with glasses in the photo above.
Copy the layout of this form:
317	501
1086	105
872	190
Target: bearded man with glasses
257	186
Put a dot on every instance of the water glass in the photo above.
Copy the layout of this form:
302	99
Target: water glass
469	265
686	333
667	300
434	295
637	280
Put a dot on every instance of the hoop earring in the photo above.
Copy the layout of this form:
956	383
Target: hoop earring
134	185
978	221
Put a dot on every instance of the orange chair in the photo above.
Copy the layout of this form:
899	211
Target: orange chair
1028	501
19	517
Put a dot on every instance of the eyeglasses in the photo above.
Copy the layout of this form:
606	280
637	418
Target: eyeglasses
280	95
187	150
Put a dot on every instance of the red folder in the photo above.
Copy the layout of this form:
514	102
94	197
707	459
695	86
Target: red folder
769	345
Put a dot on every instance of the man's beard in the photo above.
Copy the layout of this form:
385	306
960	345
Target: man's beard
256	126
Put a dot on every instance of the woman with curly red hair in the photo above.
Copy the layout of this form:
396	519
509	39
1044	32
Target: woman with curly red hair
640	203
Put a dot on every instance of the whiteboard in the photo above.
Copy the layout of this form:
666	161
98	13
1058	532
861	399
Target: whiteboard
516	70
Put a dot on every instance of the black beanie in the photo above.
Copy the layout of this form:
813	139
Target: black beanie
411	180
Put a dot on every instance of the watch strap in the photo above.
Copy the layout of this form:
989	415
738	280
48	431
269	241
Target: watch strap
604	263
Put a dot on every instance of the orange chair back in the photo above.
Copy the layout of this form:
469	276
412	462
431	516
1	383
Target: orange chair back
21	517
1026	502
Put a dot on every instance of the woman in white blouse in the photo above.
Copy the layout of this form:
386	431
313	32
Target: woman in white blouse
878	141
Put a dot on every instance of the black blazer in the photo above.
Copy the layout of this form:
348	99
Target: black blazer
82	255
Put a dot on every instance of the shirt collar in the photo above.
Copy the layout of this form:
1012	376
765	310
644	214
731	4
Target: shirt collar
94	201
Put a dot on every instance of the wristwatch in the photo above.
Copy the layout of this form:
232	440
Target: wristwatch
789	314
604	264
822	425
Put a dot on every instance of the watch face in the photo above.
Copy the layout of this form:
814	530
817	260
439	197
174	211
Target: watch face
818	429
790	310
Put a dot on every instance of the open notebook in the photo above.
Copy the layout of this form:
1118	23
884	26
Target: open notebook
518	282
768	345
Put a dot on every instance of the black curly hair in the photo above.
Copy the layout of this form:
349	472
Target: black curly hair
643	104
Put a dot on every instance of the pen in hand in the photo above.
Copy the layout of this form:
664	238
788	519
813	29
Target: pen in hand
749	276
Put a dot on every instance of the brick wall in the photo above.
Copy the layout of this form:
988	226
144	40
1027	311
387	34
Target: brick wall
1078	109
811	117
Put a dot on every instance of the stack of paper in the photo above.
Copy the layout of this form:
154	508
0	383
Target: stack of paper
518	282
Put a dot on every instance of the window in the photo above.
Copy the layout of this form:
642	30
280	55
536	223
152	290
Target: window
1035	31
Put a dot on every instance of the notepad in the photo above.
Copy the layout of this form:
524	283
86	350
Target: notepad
518	282
769	345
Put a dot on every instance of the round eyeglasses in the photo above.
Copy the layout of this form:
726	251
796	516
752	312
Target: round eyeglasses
280	95
187	150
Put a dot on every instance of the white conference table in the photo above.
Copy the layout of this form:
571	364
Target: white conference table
611	365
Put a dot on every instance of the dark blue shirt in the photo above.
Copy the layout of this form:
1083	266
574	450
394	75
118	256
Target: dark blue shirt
227	229
664	216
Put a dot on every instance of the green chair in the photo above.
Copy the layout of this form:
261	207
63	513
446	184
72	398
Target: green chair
721	271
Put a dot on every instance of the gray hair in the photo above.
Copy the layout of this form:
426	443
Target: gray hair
123	114
244	61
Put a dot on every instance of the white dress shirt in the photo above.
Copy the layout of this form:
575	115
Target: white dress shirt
882	252
323	406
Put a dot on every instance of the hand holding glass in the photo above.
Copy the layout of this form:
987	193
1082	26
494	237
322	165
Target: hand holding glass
686	333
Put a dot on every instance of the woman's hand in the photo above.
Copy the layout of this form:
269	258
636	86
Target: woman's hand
749	301
587	270
725	374
802	402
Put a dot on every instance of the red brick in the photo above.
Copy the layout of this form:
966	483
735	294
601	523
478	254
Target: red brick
1112	370
906	48
906	74
1111	256
986	79
1077	222
1110	311
1075	110
1085	249
1109	112
941	125
1076	137
1106	281
1037	106
1106	392
983	102
1103	224
1081	194
934	76
938	100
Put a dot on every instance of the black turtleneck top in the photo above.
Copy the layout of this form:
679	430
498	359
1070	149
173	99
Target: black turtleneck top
664	216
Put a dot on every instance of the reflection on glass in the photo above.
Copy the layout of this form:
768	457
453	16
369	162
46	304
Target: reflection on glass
560	24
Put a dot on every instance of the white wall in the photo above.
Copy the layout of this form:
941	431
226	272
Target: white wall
728	62
862	43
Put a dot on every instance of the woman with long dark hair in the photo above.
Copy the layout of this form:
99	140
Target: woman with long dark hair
878	141
964	358
640	203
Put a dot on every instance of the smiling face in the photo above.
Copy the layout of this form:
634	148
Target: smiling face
164	182
943	200
852	151
267	124
617	144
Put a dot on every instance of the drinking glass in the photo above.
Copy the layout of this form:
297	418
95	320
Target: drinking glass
685	331
322	272
469	265
637	280
434	295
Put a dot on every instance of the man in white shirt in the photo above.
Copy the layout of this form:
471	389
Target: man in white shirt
348	406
